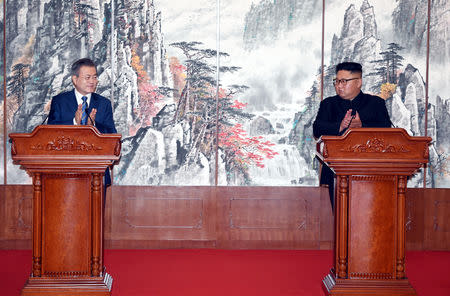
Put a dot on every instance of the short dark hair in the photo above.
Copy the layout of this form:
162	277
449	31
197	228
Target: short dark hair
75	70
349	66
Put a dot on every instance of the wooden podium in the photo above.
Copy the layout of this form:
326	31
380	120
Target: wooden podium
67	164
372	166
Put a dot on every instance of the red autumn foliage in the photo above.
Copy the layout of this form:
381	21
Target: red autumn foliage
247	150
239	105
148	96
178	74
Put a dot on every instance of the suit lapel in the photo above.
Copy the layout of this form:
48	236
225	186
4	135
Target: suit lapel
73	101
94	102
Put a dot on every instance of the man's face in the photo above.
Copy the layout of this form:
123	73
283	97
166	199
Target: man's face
86	81
348	89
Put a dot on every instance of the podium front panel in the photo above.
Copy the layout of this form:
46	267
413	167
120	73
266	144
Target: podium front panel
66	244
372	236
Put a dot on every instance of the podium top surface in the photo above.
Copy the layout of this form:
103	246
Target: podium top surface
374	145
70	143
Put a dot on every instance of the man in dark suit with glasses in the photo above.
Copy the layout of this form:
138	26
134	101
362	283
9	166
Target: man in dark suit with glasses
349	108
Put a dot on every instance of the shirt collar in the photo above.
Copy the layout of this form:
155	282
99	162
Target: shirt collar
79	96
357	98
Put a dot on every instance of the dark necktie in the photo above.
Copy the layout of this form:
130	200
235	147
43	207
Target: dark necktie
84	111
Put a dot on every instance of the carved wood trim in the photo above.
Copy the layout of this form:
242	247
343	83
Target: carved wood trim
401	189
64	143
371	276
325	150
37	225
97	236
13	148
118	148
342	225
63	274
426	152
376	145
373	178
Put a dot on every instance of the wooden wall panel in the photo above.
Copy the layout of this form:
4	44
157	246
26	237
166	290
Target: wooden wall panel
415	218
268	217
147	216
227	217
16	216
437	220
428	219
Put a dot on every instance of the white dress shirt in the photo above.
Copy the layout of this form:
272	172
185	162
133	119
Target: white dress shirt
79	96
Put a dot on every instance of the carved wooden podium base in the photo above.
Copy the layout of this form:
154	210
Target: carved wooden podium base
372	166
92	286
67	164
367	287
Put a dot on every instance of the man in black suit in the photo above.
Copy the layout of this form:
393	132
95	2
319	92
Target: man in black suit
350	108
67	108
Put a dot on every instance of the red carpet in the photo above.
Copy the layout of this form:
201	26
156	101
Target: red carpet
227	272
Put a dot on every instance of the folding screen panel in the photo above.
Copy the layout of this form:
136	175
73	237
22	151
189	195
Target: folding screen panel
409	31
177	146
154	132
439	93
43	39
266	132
378	34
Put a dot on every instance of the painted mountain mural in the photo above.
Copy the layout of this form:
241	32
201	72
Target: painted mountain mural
186	109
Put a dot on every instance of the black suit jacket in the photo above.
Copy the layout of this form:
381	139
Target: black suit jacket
371	109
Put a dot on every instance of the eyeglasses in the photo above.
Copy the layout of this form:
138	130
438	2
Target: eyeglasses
342	81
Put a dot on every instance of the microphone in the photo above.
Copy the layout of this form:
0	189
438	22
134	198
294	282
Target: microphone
45	119
88	112
353	116
392	125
